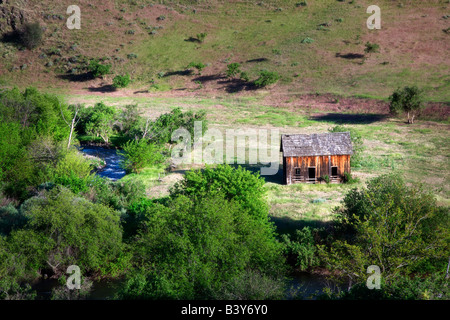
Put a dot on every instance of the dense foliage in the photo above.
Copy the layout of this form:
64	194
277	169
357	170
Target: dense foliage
389	224
191	249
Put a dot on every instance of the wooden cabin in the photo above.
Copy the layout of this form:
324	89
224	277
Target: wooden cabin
309	158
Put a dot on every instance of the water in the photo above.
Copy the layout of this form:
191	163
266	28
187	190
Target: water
112	170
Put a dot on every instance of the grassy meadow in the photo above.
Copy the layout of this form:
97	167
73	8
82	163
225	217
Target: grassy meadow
419	152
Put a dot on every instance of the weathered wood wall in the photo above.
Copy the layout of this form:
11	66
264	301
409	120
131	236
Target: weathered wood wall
322	164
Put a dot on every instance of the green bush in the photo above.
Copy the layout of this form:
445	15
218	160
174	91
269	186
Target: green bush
197	65
238	185
371	47
301	248
97	69
432	287
98	121
348	178
388	224
266	78
139	154
120	81
326	178
31	35
201	36
233	69
244	76
307	40
163	127
71	230
180	262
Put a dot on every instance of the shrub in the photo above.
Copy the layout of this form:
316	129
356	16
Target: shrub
121	81
171	247
163	127
139	154
98	120
307	40
371	47
31	35
348	178
301	249
197	65
69	230
326	178
244	76
266	78
237	184
233	69
391	225
201	36
98	69
409	100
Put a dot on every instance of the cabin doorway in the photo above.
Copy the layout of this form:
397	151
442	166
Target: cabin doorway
312	173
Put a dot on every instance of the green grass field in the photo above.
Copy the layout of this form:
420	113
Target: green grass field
419	152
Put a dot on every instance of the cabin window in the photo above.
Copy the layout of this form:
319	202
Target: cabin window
297	171
334	171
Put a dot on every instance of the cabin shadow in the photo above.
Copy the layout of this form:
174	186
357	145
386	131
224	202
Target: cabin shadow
341	118
256	168
287	225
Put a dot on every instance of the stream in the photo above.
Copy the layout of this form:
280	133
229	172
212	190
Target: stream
112	170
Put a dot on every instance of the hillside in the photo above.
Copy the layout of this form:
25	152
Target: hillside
154	41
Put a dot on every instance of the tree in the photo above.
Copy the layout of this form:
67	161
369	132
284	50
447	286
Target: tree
238	184
72	231
390	225
409	100
73	123
138	154
193	249
100	122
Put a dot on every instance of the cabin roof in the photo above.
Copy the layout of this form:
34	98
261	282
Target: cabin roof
317	144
